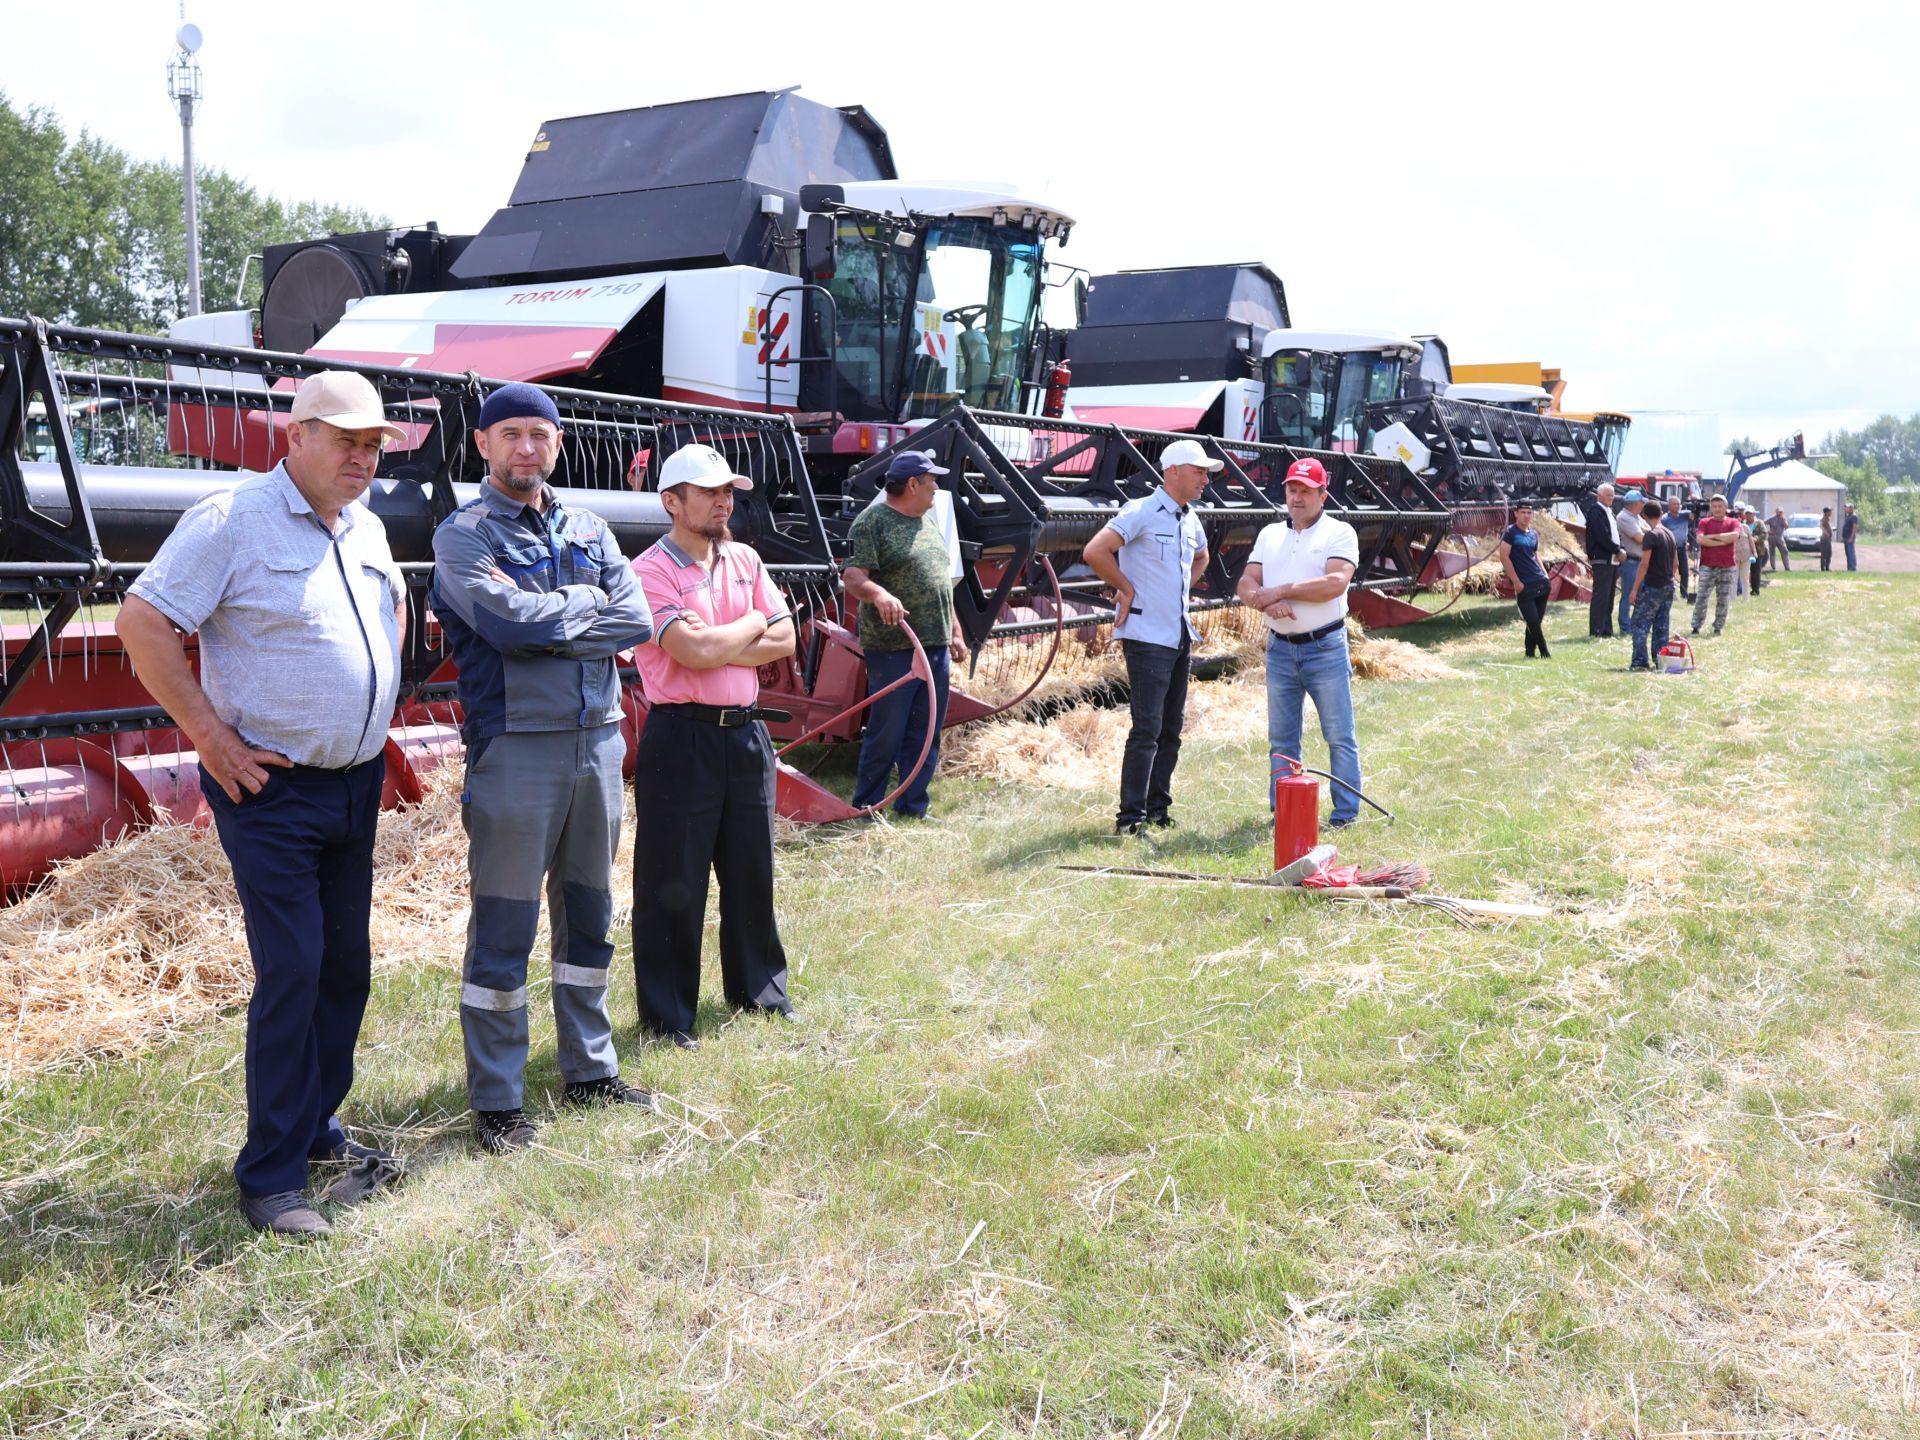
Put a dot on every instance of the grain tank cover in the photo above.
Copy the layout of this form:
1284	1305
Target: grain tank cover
1149	326
669	186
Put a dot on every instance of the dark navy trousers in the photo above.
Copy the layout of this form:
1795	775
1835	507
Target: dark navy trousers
302	856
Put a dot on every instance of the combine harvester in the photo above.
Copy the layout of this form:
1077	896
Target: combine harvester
110	438
758	252
90	486
1212	350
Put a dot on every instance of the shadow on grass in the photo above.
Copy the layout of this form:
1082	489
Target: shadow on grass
1085	844
152	1236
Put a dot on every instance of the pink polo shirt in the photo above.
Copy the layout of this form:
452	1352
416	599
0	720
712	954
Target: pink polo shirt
676	584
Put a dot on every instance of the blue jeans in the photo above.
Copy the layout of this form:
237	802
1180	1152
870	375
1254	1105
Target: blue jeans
896	728
1853	557
1157	688
1319	668
1650	615
1629	568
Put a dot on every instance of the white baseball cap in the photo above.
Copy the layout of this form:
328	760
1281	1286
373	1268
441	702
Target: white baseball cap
1188	452
345	399
700	465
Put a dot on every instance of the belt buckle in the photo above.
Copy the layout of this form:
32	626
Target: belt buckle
732	717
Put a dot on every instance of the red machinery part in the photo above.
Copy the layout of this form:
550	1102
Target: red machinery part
63	798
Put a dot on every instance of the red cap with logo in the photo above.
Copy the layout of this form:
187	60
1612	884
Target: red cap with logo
1307	472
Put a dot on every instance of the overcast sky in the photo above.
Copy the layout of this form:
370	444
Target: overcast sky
1685	207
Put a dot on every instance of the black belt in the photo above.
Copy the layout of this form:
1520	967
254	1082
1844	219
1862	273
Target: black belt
1312	635
727	717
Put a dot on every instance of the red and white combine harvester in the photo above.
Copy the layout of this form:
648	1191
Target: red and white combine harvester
1212	349
745	272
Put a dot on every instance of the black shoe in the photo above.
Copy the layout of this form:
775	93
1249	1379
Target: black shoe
288	1213
1129	827
683	1041
352	1151
1162	822
1694	631
1632	668
501	1132
1341	824
608	1090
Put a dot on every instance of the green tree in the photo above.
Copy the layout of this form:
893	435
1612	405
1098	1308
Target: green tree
1745	445
1891	443
91	237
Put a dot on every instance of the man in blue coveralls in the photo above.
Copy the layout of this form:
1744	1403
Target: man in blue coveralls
536	600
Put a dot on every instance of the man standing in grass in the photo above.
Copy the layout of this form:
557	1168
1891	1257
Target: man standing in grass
1719	540
300	611
1603	559
536	600
1651	600
1150	554
1777	539
1633	526
1297	577
899	570
1679	525
1849	534
703	777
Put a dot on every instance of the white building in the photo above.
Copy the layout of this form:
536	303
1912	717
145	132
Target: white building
1796	488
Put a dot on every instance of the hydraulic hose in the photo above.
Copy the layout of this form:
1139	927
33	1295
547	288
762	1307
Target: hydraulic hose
1311	770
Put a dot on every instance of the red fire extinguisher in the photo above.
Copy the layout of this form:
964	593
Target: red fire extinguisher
1296	811
1058	379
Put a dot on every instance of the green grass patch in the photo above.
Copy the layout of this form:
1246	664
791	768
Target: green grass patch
1074	1156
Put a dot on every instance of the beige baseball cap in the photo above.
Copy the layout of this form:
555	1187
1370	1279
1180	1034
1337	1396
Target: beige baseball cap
343	399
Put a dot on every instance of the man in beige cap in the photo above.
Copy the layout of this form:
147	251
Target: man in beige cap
300	611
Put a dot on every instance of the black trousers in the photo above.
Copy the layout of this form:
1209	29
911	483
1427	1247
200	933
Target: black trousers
1157	680
1680	561
302	855
703	801
1606	575
1533	609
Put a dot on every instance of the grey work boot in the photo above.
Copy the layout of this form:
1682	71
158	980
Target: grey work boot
288	1213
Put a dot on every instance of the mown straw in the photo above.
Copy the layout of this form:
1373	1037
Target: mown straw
1081	748
119	948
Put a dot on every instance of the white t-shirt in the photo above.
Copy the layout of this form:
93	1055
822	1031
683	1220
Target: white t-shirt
1286	556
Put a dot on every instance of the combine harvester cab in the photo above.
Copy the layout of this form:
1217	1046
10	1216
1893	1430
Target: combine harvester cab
89	488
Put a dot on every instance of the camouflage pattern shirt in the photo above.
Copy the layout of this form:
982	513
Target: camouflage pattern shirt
907	558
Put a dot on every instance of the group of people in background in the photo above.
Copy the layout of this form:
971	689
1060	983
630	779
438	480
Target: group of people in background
1639	555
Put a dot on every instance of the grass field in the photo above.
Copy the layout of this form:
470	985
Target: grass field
1065	1155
